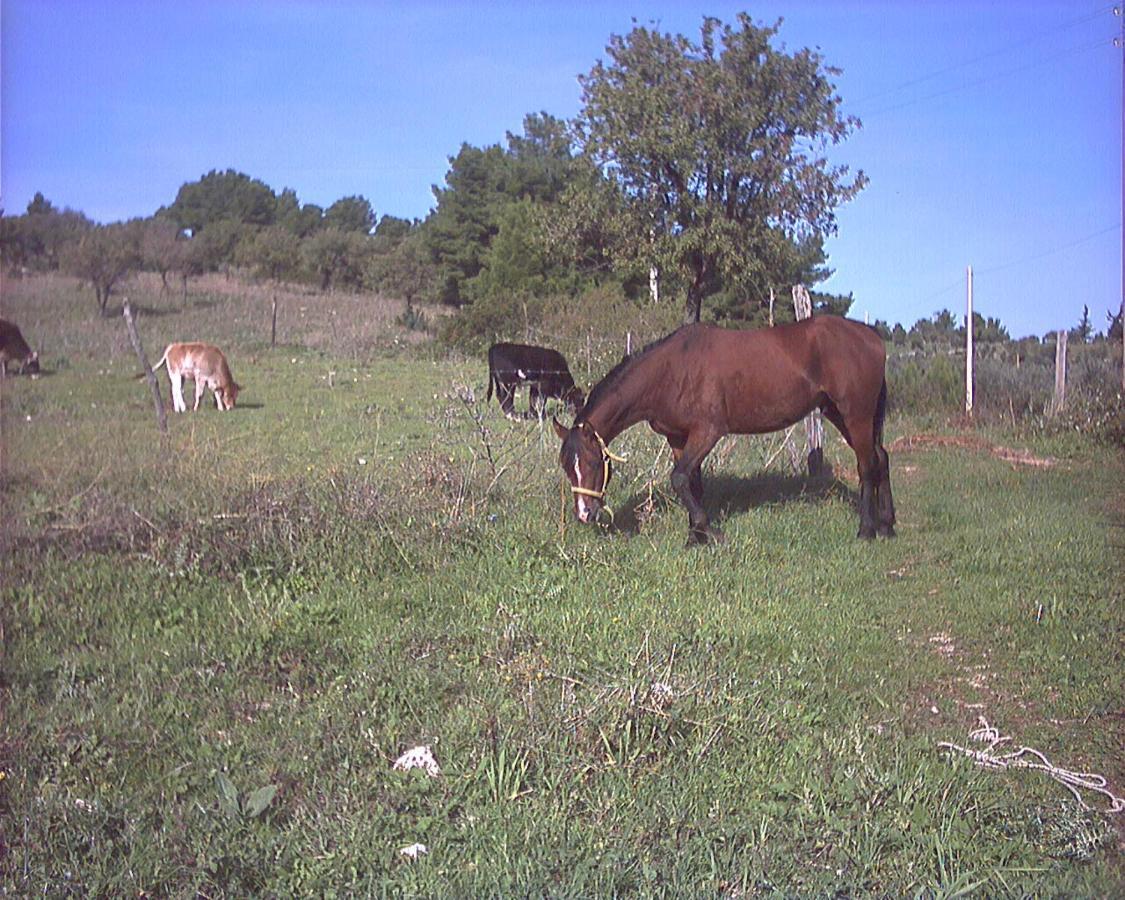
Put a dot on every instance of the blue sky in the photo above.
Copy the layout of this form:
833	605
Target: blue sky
991	130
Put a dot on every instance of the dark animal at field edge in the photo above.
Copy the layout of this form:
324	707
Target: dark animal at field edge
544	371
702	382
13	348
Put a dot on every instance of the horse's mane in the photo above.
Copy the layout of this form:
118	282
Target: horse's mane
614	375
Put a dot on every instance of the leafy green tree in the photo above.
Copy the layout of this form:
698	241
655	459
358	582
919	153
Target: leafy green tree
104	255
337	258
401	270
514	262
215	245
299	220
716	148
36	240
482	183
271	253
459	230
350	214
1084	330
40	206
222	196
940	330
160	247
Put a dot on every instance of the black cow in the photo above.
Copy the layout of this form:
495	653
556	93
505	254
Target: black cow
13	348
543	369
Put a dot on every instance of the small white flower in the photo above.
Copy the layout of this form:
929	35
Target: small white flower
362	461
418	758
414	851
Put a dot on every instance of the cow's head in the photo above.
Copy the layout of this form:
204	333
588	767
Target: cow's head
31	364
574	399
229	395
586	462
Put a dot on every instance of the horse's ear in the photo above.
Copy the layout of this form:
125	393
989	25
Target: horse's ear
561	430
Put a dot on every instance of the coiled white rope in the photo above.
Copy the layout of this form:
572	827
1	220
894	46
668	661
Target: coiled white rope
1072	781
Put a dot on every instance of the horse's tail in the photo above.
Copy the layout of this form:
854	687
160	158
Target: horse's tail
880	414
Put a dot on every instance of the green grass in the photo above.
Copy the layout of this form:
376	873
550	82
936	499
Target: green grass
244	605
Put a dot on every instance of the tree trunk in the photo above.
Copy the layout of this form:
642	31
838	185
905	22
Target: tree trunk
694	305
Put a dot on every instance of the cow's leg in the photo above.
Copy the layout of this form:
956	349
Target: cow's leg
200	387
687	482
177	382
504	393
215	392
536	403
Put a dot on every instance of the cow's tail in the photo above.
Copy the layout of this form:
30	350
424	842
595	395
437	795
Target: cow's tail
163	360
491	376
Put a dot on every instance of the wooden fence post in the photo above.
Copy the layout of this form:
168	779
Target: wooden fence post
1058	402
273	320
814	427
150	376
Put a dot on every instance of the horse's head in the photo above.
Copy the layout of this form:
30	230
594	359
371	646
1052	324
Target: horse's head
585	460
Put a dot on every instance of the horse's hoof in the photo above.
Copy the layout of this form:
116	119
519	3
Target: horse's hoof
701	536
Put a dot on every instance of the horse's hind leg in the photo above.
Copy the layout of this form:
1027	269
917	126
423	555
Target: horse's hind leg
884	502
869	465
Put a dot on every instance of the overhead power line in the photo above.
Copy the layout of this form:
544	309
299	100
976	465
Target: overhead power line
999	51
1050	252
994	76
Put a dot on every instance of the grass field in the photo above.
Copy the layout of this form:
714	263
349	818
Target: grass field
217	643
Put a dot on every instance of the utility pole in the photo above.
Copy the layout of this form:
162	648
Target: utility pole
1119	42
969	341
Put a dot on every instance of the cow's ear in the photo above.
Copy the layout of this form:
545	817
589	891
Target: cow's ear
561	430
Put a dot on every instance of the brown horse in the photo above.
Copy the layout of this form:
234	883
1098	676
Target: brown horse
701	383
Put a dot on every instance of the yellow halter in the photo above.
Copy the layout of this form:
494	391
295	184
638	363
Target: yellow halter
606	457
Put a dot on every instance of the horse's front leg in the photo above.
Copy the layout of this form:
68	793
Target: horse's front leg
687	482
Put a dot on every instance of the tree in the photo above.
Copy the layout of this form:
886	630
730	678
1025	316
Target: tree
222	196
40	206
716	149
300	220
159	247
105	255
271	253
1083	331
350	214
459	230
337	258
481	186
400	269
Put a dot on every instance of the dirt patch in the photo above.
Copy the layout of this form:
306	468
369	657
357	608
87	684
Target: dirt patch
971	442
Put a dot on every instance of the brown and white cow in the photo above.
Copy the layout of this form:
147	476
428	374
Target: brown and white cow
14	349
206	366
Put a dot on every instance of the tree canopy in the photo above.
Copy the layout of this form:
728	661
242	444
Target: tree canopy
717	150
